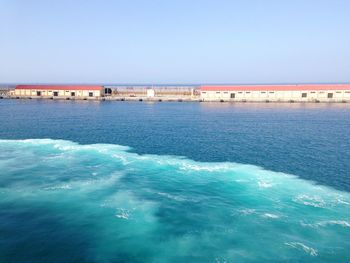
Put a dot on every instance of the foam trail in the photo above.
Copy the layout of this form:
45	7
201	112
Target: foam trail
116	205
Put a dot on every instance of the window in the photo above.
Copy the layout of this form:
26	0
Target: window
313	92
72	94
247	92
218	92
347	91
271	92
330	95
225	92
263	92
91	94
240	92
338	92
304	95
233	95
203	92
55	93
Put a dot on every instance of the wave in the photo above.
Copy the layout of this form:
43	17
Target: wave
342	223
298	245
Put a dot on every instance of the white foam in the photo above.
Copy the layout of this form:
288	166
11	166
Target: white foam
264	184
289	187
65	147
59	187
300	246
172	197
341	201
218	260
123	213
241	181
189	165
268	215
122	158
342	223
314	201
41	141
247	211
195	167
128	206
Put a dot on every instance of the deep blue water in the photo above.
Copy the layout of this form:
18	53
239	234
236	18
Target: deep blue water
174	182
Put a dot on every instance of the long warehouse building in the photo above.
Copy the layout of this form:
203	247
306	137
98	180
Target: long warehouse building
59	91
283	93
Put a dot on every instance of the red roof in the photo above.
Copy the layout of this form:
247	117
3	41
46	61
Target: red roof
59	87
300	87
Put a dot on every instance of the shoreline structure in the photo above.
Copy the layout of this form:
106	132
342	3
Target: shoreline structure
204	93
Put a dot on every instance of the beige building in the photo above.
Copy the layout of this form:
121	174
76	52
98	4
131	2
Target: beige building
58	91
283	93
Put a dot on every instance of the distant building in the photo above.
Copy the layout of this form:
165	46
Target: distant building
300	93
58	91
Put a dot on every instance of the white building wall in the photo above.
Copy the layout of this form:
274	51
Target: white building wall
298	96
150	93
60	93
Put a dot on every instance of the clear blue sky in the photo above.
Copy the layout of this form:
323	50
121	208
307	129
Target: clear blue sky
178	41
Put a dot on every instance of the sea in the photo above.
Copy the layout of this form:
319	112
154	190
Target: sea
103	181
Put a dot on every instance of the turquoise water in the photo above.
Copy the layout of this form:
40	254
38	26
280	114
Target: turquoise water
193	182
66	202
